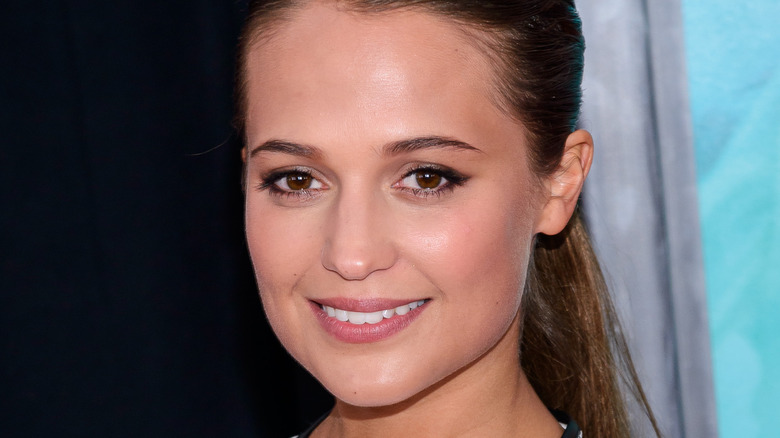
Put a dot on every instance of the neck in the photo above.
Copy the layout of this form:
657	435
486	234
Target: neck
489	397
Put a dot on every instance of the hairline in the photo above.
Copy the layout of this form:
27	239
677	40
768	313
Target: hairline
263	29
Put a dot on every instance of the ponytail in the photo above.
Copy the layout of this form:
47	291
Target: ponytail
571	341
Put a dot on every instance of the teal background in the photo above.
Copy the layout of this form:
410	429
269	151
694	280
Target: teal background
733	56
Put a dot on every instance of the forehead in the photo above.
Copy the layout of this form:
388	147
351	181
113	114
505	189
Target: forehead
347	69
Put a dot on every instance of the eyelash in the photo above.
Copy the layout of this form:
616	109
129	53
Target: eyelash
269	182
451	179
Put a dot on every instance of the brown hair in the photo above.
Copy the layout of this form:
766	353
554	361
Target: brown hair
572	348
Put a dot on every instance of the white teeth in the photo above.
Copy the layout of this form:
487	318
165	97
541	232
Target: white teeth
374	317
357	317
370	318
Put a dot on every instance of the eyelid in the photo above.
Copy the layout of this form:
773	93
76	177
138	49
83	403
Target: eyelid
449	173
269	179
453	179
274	175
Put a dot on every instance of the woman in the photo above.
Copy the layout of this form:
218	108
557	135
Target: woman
412	178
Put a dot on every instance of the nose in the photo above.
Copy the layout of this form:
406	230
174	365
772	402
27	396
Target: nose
358	237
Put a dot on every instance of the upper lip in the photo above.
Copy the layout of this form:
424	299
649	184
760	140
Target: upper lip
366	305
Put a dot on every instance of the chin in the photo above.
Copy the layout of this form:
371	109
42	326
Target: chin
371	397
373	393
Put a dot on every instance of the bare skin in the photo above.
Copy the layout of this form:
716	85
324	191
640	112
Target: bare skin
474	402
337	212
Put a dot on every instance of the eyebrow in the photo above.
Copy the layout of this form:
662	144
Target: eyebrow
431	142
394	148
287	147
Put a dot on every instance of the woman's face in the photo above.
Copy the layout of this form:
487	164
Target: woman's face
381	176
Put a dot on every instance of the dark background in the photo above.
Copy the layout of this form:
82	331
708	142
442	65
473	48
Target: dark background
127	301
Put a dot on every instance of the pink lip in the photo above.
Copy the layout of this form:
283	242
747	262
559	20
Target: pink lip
364	333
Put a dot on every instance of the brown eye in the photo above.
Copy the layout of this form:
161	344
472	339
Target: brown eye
431	180
428	180
293	182
298	181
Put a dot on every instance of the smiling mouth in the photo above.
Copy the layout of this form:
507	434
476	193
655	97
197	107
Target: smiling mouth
359	318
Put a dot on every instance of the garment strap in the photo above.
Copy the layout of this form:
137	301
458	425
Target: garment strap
306	433
572	429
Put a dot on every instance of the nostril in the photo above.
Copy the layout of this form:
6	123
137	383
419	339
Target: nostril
357	237
357	260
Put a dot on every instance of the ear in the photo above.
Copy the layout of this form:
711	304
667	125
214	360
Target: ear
243	155
563	187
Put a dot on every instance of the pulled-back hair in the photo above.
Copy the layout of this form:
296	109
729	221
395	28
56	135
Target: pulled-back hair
572	349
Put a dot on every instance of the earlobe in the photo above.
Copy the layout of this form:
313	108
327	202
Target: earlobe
565	184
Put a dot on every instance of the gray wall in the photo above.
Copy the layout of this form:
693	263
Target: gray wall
640	202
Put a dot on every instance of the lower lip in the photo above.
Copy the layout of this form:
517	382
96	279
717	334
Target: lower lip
364	333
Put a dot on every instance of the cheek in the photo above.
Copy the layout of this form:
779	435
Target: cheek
476	257
281	246
280	240
476	253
